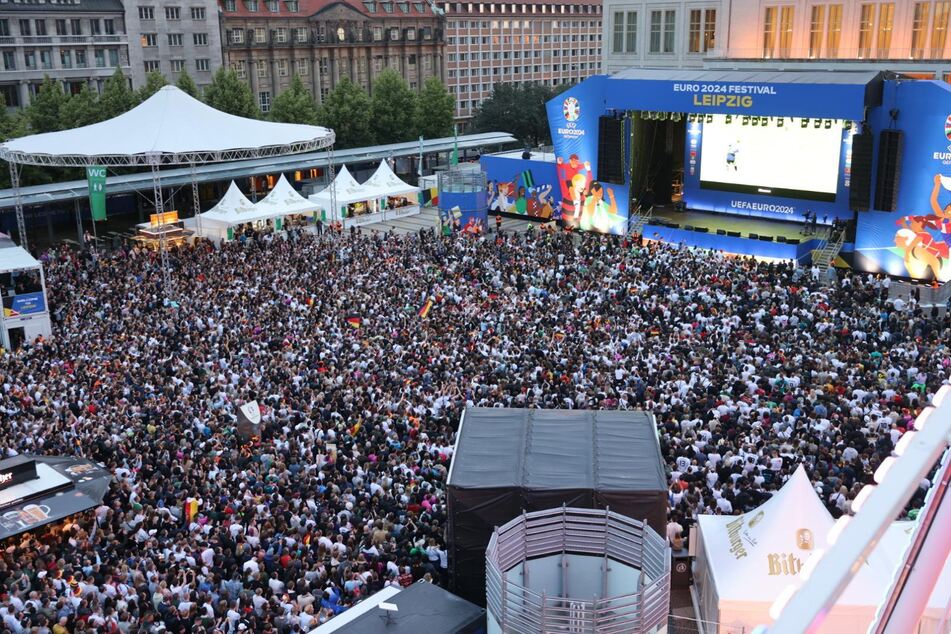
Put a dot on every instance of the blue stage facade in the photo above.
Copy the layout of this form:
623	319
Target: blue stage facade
773	145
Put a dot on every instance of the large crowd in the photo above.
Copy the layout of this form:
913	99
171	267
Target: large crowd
362	351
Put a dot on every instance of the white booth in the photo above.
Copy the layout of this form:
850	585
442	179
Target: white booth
23	288
284	201
383	197
233	210
395	198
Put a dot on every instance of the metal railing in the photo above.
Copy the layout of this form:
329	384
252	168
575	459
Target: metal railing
686	625
520	610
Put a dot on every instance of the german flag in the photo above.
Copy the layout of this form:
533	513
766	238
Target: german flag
559	337
356	427
354	321
425	308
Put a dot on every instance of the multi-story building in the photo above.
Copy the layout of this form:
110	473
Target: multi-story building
902	35
76	42
536	42
174	36
267	42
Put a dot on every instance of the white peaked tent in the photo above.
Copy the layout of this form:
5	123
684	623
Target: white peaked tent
232	210
745	561
385	183
347	191
284	200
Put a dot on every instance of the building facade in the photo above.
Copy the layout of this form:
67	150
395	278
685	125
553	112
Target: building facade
902	35
174	36
550	43
76	42
267	42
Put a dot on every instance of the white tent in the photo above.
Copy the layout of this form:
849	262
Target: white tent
744	562
232	210
170	128
385	183
284	200
346	188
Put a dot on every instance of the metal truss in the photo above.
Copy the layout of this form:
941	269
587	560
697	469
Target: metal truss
163	241
18	203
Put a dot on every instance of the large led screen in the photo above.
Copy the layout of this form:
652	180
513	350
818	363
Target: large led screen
758	155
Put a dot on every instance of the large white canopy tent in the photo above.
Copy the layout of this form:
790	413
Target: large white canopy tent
745	562
168	128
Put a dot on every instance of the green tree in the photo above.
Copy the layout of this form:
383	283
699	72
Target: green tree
153	83
187	84
393	108
517	109
117	97
229	94
436	110
79	110
346	110
44	110
294	105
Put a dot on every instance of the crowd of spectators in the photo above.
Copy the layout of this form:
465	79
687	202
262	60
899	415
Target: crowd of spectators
750	369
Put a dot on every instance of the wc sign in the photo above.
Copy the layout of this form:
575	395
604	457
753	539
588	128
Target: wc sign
96	176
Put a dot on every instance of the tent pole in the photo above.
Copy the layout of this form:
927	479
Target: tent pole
18	203
163	242
333	188
196	203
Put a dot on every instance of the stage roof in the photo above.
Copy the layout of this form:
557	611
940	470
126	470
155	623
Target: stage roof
16	259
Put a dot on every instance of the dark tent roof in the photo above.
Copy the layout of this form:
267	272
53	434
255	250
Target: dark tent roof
557	449
423	609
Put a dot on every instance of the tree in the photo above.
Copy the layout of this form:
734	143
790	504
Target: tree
116	97
346	110
518	109
187	84
294	105
153	83
79	110
44	111
229	94
393	108
436	110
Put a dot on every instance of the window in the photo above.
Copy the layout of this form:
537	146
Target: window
886	17
260	67
240	69
834	32
280	35
75	27
176	39
109	26
95	28
939	28
29	59
618	46
4	28
40	27
146	13
669	23
151	65
282	68
80	58
259	35
919	29
198	13
301	68
293	6
178	65
378	34
61	27
46	59
865	30
300	34
264	100
709	29
9	61
769	33
693	34
252	5
25	27
202	65
173	13
816	30
785	30
149	40
657	19
200	39
231	6
113	57
101	59
236	36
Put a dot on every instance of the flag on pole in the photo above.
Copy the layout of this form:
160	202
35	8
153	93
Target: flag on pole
425	308
191	509
354	321
96	177
419	169
454	158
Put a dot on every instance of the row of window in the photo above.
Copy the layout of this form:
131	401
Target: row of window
515	70
663	26
178	65
481	7
301	67
522	24
291	6
282	35
522	39
172	14
485	55
68	58
39	27
150	40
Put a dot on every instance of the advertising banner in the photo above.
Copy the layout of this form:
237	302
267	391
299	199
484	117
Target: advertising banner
23	304
464	210
915	240
522	187
97	191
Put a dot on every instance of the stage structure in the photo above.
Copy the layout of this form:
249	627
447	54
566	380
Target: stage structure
510	461
169	128
26	314
867	148
577	570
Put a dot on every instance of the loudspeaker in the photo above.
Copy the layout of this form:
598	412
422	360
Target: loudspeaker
781	239
733	234
860	187
793	241
721	232
702	229
766	238
890	145
688	227
611	150
754	236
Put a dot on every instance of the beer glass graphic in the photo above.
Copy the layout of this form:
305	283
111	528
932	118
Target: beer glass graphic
34	514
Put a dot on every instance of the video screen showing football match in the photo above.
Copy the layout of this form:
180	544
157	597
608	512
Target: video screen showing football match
775	156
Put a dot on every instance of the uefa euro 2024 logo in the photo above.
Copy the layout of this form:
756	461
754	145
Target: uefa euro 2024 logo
572	110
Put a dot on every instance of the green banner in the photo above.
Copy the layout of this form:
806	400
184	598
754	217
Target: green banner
97	191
